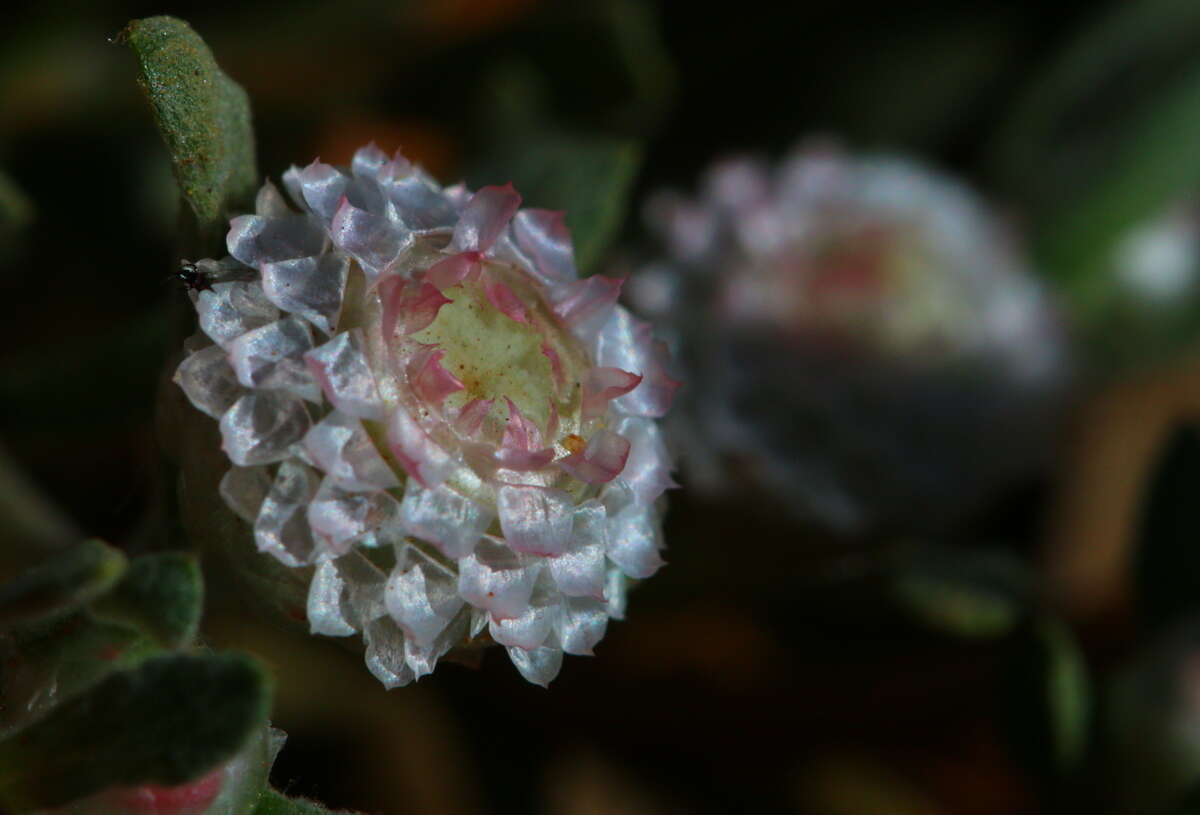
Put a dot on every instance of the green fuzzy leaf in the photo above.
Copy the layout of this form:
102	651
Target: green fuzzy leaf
963	592
1049	701
246	775
1167	557
273	803
167	721
62	584
202	114
590	178
242	782
162	594
45	666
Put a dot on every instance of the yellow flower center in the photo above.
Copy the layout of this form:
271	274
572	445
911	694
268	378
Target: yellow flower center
497	357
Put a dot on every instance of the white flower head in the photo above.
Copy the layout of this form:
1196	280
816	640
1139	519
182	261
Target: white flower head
424	402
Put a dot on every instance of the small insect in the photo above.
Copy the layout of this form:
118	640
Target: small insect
193	278
201	276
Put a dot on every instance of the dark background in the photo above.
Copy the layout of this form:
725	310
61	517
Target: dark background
766	669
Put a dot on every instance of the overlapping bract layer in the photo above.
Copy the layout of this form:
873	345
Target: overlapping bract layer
425	403
862	336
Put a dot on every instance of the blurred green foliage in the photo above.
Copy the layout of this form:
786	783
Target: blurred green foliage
976	592
1167	565
16	210
1050	705
1151	722
59	586
589	178
90	697
101	686
161	594
165	721
1103	142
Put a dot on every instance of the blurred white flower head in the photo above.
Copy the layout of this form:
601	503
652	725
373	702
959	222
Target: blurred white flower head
861	334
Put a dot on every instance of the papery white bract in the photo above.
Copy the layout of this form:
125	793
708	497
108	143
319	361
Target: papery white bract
861	336
426	404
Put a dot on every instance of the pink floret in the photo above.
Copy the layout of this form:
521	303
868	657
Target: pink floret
484	217
602	385
409	306
429	379
601	461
